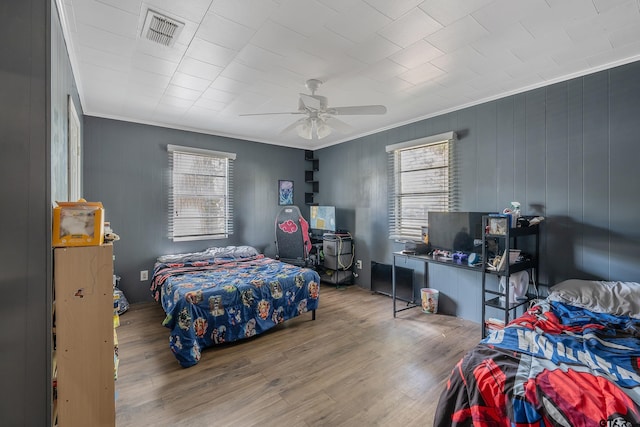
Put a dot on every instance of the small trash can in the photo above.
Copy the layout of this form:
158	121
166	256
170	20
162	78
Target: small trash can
429	297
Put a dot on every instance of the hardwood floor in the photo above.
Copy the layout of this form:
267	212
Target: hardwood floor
355	365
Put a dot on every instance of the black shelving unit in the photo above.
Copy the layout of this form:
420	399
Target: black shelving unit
508	238
313	186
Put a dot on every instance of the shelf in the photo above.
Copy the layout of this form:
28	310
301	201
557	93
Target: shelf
308	199
514	238
498	303
514	268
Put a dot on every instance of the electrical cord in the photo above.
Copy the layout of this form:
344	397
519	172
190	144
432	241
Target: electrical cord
340	264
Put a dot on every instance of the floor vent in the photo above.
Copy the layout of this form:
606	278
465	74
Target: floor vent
161	29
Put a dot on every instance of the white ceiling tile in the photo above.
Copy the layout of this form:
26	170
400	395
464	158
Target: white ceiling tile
210	53
567	68
169	100
625	53
250	13
396	84
462	32
149	78
606	22
241	73
193	10
278	39
182	92
416	54
384	70
304	17
257	57
174	53
224	32
545	44
154	64
501	13
394	9
103	40
227	85
139	104
196	68
103	59
221	96
368	21
456	76
373	50
410	28
605	5
112	19
306	64
560	14
626	35
447	12
138	92
590	46
131	6
340	5
421	74
210	104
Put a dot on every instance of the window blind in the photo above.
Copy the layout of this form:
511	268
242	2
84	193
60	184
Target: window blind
200	193
421	179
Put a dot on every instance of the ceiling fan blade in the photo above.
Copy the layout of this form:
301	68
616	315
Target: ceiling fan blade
310	101
358	110
271	114
338	125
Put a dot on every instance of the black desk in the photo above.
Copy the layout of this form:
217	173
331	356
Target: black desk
425	259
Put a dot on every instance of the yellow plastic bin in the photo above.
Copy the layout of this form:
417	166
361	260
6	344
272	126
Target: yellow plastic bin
429	298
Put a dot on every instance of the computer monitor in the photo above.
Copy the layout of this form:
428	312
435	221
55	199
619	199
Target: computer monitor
323	218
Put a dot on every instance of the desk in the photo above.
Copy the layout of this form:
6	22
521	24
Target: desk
426	259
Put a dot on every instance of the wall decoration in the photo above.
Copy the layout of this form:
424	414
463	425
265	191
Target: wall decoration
75	153
285	192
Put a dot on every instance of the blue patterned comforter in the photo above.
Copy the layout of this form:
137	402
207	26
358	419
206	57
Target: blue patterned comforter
221	300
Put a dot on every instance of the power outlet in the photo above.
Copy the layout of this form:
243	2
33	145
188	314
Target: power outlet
359	264
144	275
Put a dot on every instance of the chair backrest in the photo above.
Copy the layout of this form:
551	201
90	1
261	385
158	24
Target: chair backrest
292	234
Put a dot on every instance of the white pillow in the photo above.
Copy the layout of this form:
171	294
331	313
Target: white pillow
211	253
617	298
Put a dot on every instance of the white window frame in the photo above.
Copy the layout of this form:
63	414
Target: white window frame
190	213
417	188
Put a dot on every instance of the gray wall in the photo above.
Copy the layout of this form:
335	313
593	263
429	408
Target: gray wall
126	168
568	151
25	251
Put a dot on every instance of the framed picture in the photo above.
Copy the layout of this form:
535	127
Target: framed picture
74	178
285	192
498	224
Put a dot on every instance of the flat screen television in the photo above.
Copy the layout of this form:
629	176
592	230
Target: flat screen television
456	231
322	218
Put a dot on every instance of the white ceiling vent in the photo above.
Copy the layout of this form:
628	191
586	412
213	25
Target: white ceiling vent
160	28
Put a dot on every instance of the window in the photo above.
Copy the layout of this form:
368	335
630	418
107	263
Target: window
420	180
200	194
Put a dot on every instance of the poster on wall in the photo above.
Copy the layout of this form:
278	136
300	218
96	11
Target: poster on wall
285	192
75	153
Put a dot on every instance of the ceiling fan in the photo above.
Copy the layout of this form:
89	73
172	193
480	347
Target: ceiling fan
320	118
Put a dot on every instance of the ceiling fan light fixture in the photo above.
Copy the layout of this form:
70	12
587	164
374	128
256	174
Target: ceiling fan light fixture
322	129
305	129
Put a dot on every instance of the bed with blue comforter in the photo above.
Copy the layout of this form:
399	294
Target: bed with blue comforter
227	294
571	360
